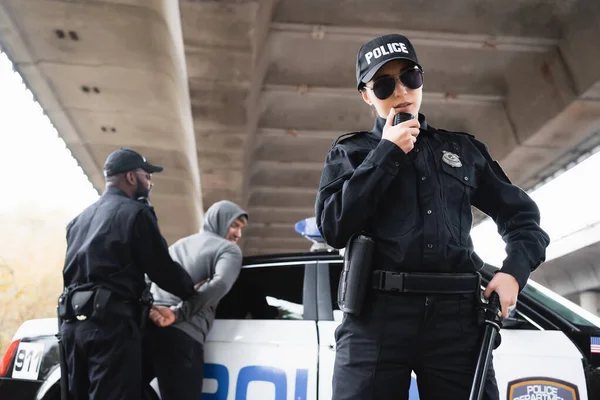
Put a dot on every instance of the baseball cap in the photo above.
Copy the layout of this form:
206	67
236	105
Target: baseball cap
379	51
123	160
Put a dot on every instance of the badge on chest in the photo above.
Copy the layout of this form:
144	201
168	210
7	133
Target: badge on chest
451	159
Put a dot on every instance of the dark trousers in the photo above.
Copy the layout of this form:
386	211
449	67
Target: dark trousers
437	337
104	358
176	360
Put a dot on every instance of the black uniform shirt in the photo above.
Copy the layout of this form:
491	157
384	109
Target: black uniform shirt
113	242
417	206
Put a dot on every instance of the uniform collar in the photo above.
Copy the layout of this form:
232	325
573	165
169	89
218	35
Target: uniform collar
115	191
380	123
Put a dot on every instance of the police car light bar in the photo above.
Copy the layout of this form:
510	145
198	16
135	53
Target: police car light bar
308	229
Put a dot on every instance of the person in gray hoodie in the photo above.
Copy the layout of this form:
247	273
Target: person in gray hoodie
175	342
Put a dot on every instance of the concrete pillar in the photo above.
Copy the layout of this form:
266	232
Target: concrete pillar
590	301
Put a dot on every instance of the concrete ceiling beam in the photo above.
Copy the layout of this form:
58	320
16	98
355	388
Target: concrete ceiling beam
217	159
260	61
110	75
287	175
289	215
20	50
428	96
572	273
531	18
579	49
554	104
274	198
418	38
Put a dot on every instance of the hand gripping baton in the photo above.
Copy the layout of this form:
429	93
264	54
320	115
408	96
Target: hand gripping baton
493	323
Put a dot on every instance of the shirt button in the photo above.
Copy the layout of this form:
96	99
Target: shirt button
397	164
423	178
466	178
417	150
429	211
430	246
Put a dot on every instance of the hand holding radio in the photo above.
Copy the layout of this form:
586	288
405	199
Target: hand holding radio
401	129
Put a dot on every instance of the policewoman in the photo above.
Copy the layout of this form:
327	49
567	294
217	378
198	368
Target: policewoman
410	188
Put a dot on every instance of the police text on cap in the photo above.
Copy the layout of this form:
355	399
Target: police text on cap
380	51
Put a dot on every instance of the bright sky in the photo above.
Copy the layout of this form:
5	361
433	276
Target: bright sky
36	166
570	213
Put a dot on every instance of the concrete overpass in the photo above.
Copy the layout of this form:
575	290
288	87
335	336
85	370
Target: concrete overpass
241	99
575	275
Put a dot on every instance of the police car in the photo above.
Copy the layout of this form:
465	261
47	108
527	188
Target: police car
273	339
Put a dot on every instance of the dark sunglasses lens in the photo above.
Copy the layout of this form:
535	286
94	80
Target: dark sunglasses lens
384	87
412	79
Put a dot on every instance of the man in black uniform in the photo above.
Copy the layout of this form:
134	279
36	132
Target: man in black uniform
110	246
410	187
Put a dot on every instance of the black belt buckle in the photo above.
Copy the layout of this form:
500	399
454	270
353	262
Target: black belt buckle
393	281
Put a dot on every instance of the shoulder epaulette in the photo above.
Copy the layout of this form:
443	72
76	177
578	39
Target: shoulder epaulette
458	133
346	136
466	134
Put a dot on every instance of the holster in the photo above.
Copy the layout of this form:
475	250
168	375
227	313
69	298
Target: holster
64	308
146	301
66	311
82	303
354	280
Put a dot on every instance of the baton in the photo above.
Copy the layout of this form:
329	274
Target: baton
493	323
64	378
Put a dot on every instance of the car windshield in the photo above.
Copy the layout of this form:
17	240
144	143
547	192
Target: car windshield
556	303
561	306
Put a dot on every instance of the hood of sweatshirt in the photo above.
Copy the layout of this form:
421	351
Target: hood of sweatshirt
220	216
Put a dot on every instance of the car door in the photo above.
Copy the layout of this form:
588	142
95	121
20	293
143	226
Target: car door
538	356
263	344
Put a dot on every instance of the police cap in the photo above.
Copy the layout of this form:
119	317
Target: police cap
124	160
379	51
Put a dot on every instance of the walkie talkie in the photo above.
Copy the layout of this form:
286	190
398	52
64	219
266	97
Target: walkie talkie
401	117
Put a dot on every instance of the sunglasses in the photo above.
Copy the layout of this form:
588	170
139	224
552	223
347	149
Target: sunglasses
411	78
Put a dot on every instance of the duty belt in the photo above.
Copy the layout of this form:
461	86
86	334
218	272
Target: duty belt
123	308
88	304
426	283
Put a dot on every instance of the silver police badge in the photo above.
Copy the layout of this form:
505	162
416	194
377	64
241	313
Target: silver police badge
451	159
